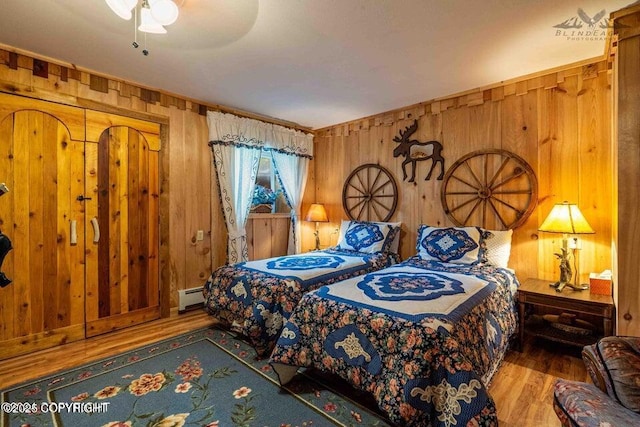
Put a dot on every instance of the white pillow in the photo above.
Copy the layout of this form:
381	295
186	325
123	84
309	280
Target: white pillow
457	245
389	230
498	247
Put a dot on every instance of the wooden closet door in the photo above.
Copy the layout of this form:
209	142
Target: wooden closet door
122	265
43	167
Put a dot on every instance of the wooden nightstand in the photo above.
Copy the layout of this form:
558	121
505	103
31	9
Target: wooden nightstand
538	293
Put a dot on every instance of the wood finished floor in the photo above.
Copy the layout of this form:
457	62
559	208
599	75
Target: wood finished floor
522	388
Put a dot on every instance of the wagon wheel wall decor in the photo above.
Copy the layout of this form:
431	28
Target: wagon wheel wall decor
370	194
494	188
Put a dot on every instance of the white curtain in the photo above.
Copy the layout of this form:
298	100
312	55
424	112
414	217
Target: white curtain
292	170
236	144
236	168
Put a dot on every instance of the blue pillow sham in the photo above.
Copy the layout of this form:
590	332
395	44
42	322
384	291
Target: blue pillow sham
368	237
457	245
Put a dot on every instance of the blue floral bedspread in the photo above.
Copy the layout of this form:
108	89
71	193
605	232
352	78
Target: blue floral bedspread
258	296
423	337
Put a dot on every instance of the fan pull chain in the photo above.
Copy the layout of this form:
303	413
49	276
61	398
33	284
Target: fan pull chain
135	28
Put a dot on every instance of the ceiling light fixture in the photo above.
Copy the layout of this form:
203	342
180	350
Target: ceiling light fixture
165	12
154	14
122	8
148	24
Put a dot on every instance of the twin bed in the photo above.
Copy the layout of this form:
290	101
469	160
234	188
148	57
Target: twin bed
423	337
255	298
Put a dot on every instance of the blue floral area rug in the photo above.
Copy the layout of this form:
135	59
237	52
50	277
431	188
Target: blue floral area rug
204	378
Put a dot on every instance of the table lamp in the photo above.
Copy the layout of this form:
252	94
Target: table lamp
317	213
566	218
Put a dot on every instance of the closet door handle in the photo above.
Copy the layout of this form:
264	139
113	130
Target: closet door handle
96	230
73	234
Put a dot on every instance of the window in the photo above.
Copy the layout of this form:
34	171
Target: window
267	196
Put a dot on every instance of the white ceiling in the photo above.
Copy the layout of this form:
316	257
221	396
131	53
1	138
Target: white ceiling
314	62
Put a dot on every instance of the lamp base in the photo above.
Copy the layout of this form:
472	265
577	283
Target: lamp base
561	285
317	234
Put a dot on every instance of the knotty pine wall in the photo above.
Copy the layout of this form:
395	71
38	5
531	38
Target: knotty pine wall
189	197
186	203
625	52
558	122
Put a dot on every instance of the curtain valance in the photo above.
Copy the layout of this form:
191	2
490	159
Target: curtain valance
228	129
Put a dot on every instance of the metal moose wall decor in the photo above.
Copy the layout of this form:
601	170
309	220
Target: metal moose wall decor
415	151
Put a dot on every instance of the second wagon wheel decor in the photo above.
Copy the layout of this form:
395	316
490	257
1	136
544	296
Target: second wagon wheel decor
493	187
370	194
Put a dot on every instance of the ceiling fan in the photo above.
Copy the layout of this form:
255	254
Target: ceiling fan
154	15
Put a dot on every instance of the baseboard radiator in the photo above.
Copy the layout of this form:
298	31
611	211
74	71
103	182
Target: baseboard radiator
189	299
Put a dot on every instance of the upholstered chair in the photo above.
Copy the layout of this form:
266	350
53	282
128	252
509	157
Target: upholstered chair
613	400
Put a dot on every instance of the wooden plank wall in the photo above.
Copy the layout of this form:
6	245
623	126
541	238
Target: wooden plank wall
267	235
186	203
558	122
626	48
189	199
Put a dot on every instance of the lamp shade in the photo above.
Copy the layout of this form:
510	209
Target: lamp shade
317	213
566	218
122	8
